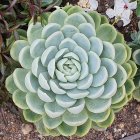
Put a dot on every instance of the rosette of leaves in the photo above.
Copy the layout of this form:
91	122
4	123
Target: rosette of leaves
75	75
135	45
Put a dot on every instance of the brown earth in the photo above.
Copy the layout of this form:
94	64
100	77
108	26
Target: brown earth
12	126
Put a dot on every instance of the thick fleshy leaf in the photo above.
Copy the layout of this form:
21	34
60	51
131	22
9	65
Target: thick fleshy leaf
65	101
41	128
120	53
82	41
98	128
67	7
106	32
77	107
128	69
84	129
10	85
60	76
51	123
129	86
34	103
96	45
53	110
136	95
98	105
99	117
48	54
34	32
54	39
58	16
61	63
117	110
75	19
87	29
46	96
19	78
31	82
37	67
107	122
59	55
120	104
96	17
94	62
25	58
51	68
108	50
74	9
104	19
37	48
134	68
17	47
77	64
68	85
119	96
43	80
110	65
110	88
136	56
56	88
50	29
100	77
85	83
95	92
81	53
31	116
129	52
77	93
88	18
120	76
84	70
66	130
119	38
74	77
69	30
75	119
68	43
72	55
19	99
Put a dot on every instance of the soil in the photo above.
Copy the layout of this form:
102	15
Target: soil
12	126
127	122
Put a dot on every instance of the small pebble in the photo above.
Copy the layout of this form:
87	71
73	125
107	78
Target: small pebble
26	128
121	125
120	23
135	116
138	108
124	134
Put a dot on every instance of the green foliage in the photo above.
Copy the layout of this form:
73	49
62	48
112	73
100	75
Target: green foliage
14	18
75	73
138	8
135	45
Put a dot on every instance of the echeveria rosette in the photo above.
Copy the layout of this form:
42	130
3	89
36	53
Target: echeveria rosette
135	45
76	73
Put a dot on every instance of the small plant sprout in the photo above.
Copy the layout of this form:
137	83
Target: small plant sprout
122	11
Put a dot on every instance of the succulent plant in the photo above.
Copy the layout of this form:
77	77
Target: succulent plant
75	75
135	45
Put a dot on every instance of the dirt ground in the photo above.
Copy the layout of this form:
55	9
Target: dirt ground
12	126
127	122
